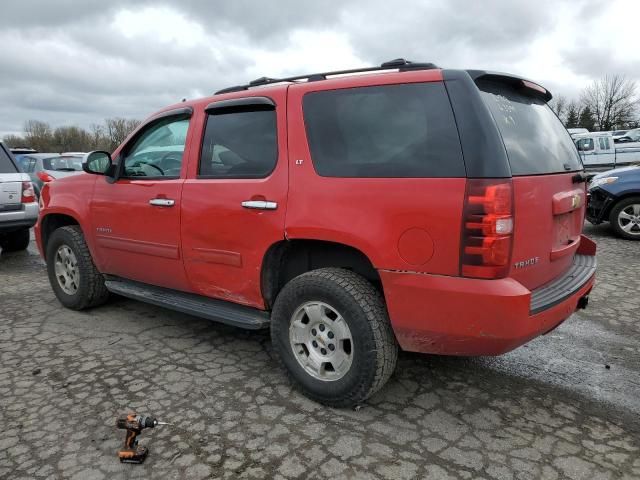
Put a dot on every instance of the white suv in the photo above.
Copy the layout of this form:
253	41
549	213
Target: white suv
18	204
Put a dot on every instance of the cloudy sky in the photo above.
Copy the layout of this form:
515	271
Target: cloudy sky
75	62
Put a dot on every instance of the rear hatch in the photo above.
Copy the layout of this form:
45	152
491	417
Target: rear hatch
10	183
62	166
549	206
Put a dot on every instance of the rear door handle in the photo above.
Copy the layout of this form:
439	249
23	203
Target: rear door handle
259	205
162	202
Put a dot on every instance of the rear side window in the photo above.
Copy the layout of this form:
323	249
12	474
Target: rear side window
535	140
6	165
383	131
604	143
239	144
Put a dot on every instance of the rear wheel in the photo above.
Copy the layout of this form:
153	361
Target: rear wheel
331	331
72	274
15	241
625	218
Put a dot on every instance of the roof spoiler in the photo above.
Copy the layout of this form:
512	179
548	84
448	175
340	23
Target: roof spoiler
514	80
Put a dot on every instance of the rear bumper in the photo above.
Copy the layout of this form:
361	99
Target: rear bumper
25	217
463	316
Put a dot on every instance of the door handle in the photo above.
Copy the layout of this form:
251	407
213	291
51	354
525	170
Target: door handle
260	205
162	202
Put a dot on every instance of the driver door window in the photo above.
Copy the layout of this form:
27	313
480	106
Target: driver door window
158	151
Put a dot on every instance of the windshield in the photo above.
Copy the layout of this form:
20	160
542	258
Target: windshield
62	163
536	141
634	135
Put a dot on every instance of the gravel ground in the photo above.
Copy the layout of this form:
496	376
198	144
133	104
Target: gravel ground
567	405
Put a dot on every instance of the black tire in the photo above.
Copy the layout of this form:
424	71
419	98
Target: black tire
375	350
615	213
91	290
15	241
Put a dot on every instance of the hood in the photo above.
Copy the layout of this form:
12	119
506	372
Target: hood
618	171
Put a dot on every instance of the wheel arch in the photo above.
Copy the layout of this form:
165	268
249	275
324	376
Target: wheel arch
619	198
287	259
50	223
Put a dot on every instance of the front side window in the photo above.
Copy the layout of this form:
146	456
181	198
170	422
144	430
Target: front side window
383	131
585	144
239	144
158	151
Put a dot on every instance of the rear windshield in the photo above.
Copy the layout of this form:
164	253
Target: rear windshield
535	140
383	131
68	164
6	165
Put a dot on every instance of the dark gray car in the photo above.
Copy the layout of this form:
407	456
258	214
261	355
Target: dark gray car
46	167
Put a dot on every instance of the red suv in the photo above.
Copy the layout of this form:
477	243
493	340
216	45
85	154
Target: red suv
353	213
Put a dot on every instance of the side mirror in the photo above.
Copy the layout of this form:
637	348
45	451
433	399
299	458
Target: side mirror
97	163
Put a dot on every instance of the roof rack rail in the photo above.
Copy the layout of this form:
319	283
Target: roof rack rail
399	64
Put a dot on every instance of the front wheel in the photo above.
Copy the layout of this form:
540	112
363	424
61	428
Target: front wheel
72	274
625	218
331	331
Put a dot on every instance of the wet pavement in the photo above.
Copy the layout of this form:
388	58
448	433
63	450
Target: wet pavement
567	405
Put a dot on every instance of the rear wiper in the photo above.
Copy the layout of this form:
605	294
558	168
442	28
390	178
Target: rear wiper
580	177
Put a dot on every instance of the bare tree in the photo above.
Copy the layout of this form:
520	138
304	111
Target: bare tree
14	141
118	129
611	100
559	106
70	139
38	135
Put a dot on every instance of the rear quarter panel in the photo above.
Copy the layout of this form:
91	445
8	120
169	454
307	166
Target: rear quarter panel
410	224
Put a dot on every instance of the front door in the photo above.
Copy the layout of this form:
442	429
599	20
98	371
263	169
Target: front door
234	200
136	220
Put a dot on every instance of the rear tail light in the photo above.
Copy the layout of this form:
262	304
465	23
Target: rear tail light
28	193
487	231
45	177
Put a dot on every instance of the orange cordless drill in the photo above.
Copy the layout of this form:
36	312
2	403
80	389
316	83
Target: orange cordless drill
134	424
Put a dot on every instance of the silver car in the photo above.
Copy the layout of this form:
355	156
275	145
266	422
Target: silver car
46	167
18	204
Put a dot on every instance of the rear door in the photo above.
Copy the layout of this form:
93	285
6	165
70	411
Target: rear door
10	183
235	199
549	203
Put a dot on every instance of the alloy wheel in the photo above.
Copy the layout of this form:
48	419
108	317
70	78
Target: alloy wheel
629	219
321	341
66	270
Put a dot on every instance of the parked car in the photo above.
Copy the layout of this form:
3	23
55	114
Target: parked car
614	197
22	151
631	136
598	151
18	205
616	134
438	211
46	167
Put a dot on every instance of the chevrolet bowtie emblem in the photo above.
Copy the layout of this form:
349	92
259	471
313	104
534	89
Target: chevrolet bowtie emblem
575	201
